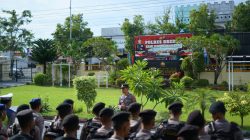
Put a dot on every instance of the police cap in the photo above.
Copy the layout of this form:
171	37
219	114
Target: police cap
22	107
2	107
121	117
64	108
134	107
176	106
69	101
124	86
196	118
35	102
24	117
148	113
71	122
106	112
189	132
217	107
98	107
4	99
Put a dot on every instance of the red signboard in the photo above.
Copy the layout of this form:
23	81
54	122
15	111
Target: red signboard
159	47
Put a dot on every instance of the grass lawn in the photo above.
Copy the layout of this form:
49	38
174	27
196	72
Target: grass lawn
110	96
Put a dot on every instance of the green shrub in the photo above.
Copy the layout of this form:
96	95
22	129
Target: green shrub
175	78
243	87
46	106
122	64
41	79
119	82
85	89
91	74
224	84
200	83
187	81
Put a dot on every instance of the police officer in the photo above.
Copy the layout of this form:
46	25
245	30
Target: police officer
195	118
106	129
71	125
94	122
15	127
169	129
135	121
3	129
188	132
26	122
11	115
126	99
63	109
120	125
220	128
36	106
148	123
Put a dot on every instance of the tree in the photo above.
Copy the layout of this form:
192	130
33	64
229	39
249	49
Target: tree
99	47
131	30
241	18
43	51
238	104
198	64
13	35
85	90
80	33
202	21
217	46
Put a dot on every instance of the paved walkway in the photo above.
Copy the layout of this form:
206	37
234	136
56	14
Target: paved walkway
10	84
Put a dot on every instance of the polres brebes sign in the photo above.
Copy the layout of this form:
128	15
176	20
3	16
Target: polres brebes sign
158	47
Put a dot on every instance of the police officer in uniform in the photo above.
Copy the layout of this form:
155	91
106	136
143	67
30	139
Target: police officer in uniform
126	99
195	118
169	129
63	109
188	132
94	122
71	125
15	127
106	129
148	123
220	127
135	121
3	129
11	115
121	126
26	122
36	106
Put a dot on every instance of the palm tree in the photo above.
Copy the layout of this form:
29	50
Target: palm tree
44	51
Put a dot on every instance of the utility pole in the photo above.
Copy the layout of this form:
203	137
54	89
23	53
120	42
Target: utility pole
70	24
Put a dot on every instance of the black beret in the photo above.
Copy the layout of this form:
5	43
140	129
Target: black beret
71	122
217	107
98	107
189	132
35	101
124	86
69	101
121	117
147	114
106	112
25	115
22	107
196	118
134	107
175	106
2	107
64	107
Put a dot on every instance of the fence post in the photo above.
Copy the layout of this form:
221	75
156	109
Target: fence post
16	71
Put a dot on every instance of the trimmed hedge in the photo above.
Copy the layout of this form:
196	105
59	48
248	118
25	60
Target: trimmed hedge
200	83
41	79
187	81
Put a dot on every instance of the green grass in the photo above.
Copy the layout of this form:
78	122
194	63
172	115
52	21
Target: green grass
110	96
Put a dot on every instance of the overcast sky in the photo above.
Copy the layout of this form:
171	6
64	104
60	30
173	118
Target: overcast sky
98	13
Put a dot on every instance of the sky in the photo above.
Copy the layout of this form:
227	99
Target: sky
98	13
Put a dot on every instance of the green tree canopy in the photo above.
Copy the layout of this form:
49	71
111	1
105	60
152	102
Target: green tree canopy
132	29
100	48
202	21
241	18
44	51
80	33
